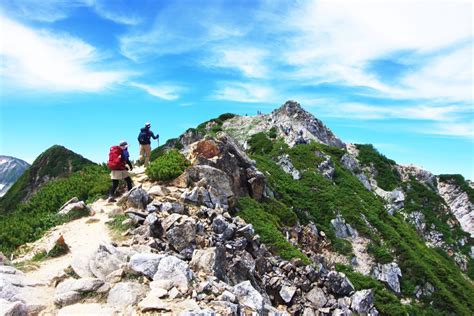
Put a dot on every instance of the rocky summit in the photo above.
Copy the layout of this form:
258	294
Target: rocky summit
264	215
10	170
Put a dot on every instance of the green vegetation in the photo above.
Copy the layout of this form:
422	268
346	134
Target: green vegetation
55	162
267	224
385	301
116	224
30	220
387	176
167	166
260	144
459	181
318	199
420	197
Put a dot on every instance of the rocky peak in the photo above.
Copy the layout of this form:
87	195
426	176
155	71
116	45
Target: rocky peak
10	170
291	122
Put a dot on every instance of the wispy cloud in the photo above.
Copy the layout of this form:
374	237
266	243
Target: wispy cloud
165	92
244	92
247	60
54	62
409	112
458	129
178	28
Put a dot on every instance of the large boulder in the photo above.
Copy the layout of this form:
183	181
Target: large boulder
138	198
71	291
74	208
389	273
316	297
211	261
124	294
107	259
248	296
181	233
337	283
172	272
16	308
287	292
145	263
362	301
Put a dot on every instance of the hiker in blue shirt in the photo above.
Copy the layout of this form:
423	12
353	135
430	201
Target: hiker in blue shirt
144	140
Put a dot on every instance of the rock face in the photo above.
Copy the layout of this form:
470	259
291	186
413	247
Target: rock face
389	273
342	229
362	301
10	170
293	123
459	205
285	163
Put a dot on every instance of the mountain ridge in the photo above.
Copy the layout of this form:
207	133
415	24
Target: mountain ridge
11	169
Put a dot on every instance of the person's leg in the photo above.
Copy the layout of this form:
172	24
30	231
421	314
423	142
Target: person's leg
129	183
142	154
114	187
147	153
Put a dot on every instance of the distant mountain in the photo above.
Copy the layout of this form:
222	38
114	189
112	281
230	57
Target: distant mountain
11	169
55	162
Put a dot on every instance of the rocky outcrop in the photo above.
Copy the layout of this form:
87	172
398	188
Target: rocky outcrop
293	123
459	205
74	208
342	229
285	163
390	274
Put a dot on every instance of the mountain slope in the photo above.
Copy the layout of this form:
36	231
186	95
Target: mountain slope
10	170
55	162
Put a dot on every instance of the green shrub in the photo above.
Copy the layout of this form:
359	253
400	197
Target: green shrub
168	166
272	133
267	226
380	253
260	144
29	221
387	176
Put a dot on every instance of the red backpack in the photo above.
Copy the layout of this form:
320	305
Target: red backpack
115	158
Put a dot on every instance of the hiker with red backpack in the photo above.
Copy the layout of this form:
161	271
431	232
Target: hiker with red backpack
145	144
119	158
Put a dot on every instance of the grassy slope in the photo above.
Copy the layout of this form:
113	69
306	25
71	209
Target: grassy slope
316	198
28	221
56	161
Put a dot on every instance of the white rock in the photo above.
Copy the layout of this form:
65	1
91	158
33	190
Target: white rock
145	263
249	296
172	272
126	293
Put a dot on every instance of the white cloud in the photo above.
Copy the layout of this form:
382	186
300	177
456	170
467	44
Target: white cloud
178	28
334	40
248	60
458	129
165	92
244	92
115	11
409	112
42	60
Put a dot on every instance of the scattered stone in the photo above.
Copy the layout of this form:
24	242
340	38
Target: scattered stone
249	296
211	261
316	297
87	309
126	293
337	283
138	198
172	272
362	301
17	308
145	263
287	292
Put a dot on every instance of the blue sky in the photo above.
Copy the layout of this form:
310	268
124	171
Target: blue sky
88	73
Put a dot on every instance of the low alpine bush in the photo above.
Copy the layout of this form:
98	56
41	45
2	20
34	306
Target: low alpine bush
168	166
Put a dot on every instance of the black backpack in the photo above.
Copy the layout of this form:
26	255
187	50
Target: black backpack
143	137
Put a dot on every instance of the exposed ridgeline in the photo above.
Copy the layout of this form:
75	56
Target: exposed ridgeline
55	162
273	214
10	170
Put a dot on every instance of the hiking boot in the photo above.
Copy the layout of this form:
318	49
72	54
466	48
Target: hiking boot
111	200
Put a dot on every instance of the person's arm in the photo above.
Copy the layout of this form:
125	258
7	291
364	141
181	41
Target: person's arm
153	135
